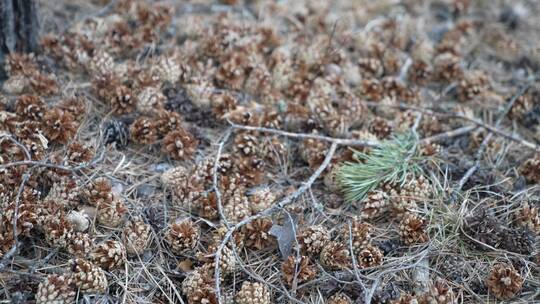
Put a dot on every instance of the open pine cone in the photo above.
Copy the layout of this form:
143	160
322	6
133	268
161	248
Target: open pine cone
98	192
150	100
30	107
179	144
302	267
530	169
339	298
136	236
504	281
312	239
369	256
198	279
440	293
528	217
59	126
88	277
257	234
359	233
143	131
109	254
55	289
412	229
182	236
253	293
79	244
336	256
111	215
261	199
374	204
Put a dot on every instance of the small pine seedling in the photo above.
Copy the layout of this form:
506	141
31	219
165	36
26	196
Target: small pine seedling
391	162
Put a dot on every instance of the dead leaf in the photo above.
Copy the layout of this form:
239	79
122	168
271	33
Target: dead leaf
285	235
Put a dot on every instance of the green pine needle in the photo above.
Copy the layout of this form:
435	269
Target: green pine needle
391	162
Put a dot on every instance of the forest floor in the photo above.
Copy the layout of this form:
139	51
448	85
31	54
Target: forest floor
256	152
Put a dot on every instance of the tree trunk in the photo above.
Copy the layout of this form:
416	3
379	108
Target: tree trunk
19	28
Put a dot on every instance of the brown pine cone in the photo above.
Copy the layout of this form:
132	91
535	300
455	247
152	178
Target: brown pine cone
372	89
370	67
336	256
236	207
43	84
143	131
520	240
136	236
360	235
198	279
420	73
79	153
246	144
412	229
180	144
251	169
185	186
257	234
527	216
123	101
111	214
204	295
98	192
439	293
375	204
339	298
55	289
20	64
182	236
57	229
105	85
523	105
88	277
59	126
30	107
474	84
108	255
447	67
101	63
168	121
6	241
74	106
380	127
301	267
530	169
223	103
168	69
313	152
484	228
312	239
79	244
405	299
151	100
261	199
65	192
504	281
253	293
27	217
370	256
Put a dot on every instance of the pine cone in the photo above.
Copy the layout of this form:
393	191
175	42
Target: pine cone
30	107
168	121
198	279
420	73
236	207
527	216
143	131
473	85
313	152
111	215
246	144
504	281
42	84
6	241
74	106
530	169
109	255
412	229
372	89
136	236
252	170
406	299
301	267
253	293
370	256
380	128
261	199
150	101
101	63
123	101
168	69
439	293
204	295
16	85
179	144
185	186
336	256
98	192
20	64
339	298
520	240
55	289
406	197
447	67
64	192
374	205
360	235
58	230
484	228
115	131
370	67
223	103
182	236
59	126
79	244
88	277
312	239
257	234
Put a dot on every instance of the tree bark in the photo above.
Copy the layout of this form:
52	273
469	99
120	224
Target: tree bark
19	28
